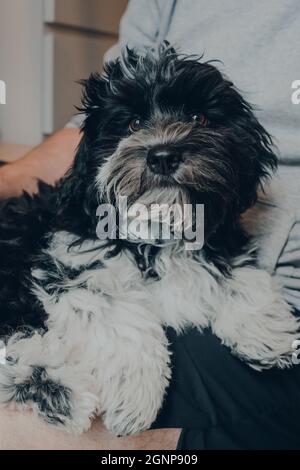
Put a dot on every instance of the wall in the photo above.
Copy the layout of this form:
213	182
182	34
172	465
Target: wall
21	46
45	47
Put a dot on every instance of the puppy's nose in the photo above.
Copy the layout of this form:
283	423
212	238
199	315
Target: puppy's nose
163	160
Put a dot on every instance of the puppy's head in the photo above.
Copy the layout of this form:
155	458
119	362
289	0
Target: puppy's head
165	128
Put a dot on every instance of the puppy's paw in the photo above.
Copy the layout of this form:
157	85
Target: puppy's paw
81	399
132	403
270	349
62	403
126	422
256	322
132	392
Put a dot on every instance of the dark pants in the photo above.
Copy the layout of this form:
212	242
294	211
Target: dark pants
221	403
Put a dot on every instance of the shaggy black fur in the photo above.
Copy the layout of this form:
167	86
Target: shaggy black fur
52	398
233	154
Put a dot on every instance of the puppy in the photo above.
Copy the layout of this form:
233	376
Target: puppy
83	319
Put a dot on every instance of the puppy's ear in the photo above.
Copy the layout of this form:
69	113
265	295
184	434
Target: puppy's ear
94	94
98	89
93	105
77	181
257	156
76	196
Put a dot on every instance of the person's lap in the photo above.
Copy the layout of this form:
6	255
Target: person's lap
222	403
217	400
26	431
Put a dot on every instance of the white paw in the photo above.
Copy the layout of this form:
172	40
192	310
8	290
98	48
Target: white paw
256	322
124	422
134	402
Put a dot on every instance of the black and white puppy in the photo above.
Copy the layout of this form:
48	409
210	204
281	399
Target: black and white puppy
83	319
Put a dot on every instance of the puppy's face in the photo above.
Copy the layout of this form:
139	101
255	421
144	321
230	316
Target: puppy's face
164	128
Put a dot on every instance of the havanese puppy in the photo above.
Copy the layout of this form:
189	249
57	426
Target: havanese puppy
83	317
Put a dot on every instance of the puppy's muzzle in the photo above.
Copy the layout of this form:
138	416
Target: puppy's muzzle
163	159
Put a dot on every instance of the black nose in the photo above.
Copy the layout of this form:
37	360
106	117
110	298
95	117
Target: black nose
163	160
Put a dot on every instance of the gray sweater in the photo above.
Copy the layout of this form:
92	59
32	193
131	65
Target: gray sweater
258	42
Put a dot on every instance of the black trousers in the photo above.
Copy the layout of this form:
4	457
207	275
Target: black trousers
221	403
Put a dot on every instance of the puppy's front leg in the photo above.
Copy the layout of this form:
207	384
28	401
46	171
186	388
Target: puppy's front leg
37	375
135	377
254	320
122	348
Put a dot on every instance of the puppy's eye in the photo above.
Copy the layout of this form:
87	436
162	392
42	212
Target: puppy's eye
200	119
135	125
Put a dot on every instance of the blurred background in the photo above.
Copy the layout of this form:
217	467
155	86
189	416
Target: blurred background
45	47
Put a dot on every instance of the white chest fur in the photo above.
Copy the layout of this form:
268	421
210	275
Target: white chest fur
184	292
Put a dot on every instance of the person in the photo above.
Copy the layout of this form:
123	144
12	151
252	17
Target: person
214	401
